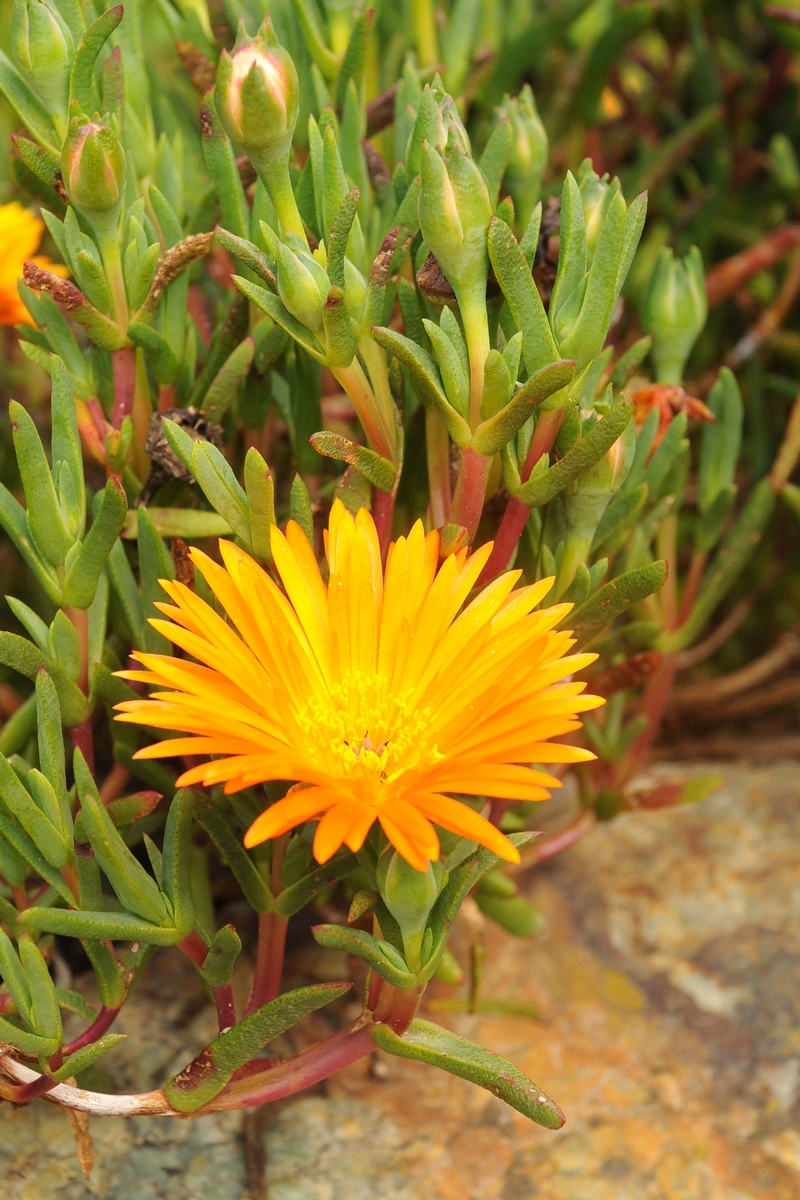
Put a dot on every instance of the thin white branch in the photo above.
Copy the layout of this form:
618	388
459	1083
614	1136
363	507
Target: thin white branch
146	1104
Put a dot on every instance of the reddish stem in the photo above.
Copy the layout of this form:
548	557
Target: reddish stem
166	396
301	1072
654	703
83	740
115	783
382	514
470	490
437	442
124	364
397	1007
23	1093
195	948
693	579
99	1026
516	515
514	520
81	735
269	960
561	839
226	1009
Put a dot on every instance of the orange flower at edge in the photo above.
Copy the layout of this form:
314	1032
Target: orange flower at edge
375	692
20	234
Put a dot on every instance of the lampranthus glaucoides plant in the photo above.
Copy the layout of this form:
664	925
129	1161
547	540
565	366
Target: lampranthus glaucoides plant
301	320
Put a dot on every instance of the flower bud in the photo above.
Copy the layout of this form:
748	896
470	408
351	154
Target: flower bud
454	214
673	311
257	95
43	46
408	894
528	157
596	194
93	167
302	285
437	123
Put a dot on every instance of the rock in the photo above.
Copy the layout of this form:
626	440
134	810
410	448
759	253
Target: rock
669	980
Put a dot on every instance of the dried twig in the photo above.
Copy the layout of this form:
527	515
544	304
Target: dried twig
728	276
697	696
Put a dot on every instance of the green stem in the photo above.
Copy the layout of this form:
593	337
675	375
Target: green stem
108	241
426	38
274	174
358	388
376	366
472	302
82	736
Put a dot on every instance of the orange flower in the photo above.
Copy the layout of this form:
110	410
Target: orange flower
20	234
375	692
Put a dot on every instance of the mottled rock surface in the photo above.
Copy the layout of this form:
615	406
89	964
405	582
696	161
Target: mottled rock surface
669	979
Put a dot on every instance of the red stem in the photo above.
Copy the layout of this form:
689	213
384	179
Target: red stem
195	948
561	839
99	1026
470	490
124	364
226	1009
115	783
515	518
83	740
654	702
516	515
382	514
23	1093
437	443
301	1072
397	1007
696	569
269	960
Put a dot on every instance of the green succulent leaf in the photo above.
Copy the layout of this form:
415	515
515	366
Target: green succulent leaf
429	1043
207	1075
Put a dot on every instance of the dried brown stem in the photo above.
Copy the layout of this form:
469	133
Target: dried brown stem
726	278
771	318
785	691
697	696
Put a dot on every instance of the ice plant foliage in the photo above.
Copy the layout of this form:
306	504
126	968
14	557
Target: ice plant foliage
360	734
379	693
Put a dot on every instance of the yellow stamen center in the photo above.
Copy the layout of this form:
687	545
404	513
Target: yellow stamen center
365	732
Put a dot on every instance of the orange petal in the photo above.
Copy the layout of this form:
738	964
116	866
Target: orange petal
464	821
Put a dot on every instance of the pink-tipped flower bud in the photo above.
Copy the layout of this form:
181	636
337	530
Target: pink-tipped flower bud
257	94
93	167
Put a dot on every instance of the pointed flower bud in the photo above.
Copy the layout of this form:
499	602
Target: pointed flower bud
674	309
257	94
409	895
438	123
303	285
454	214
93	167
596	193
528	157
44	48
